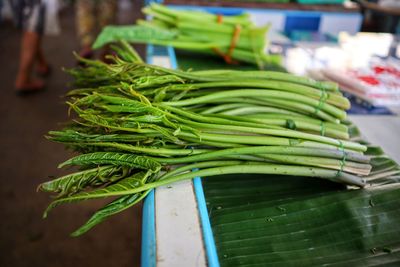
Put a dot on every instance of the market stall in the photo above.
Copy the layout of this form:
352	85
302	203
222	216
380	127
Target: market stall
240	157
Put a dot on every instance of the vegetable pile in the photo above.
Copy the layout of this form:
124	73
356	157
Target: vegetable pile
233	38
140	126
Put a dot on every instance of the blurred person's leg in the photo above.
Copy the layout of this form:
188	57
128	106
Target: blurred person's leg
107	14
86	25
29	46
43	67
30	50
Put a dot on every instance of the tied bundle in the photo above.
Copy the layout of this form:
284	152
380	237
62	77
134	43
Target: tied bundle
233	38
139	126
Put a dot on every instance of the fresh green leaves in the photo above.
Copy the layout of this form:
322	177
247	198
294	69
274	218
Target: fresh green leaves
140	126
113	158
75	182
110	209
116	189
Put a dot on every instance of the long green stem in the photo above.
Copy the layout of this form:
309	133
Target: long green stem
286	105
206	164
260	93
270	140
283	150
257	169
335	130
333	99
315	126
266	75
272	132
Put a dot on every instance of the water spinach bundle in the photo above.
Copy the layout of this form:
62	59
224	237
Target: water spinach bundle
140	126
233	38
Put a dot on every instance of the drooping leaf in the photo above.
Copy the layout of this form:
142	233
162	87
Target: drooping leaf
74	182
374	151
119	188
110	209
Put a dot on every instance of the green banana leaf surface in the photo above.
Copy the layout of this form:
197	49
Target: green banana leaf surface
266	220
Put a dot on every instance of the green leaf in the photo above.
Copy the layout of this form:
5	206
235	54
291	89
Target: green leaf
156	80
166	133
72	183
137	33
110	209
126	52
374	151
71	136
118	188
135	105
114	158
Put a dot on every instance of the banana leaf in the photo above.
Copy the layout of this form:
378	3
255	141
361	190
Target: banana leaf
265	220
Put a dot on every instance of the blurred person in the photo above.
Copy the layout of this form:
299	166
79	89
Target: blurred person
91	16
30	15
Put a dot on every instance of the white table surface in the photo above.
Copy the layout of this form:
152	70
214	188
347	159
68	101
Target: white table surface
383	131
179	241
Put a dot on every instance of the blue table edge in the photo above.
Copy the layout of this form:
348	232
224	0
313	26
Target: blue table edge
149	250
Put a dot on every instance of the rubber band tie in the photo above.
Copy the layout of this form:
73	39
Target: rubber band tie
322	100
323	128
220	18
343	161
235	38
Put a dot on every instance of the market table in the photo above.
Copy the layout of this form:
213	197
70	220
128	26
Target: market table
176	228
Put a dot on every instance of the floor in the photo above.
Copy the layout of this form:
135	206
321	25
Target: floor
29	159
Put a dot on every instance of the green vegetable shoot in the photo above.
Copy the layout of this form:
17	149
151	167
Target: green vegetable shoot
232	38
138	126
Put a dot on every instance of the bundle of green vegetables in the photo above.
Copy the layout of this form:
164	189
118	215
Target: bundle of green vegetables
234	38
140	126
